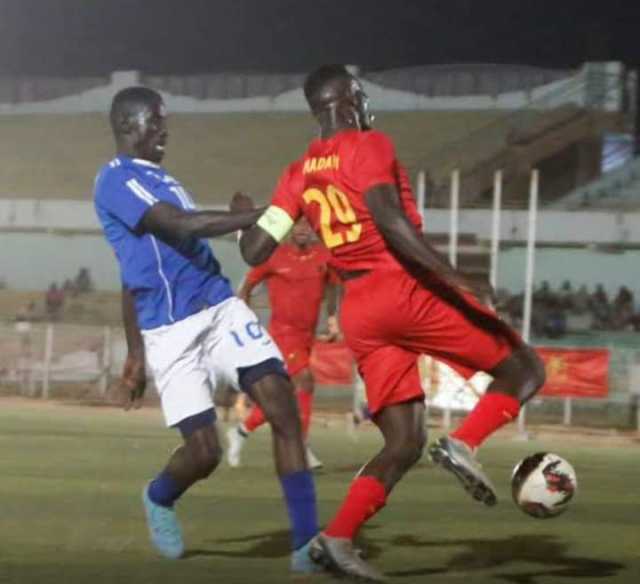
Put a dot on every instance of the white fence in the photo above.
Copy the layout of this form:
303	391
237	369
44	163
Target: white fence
46	360
34	357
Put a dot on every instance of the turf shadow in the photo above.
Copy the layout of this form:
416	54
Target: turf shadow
271	545
547	550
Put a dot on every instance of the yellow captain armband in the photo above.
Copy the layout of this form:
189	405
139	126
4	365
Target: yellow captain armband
276	222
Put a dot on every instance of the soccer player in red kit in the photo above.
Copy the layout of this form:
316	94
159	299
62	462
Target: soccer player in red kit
400	300
297	276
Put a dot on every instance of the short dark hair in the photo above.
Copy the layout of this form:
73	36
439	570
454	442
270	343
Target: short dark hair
130	101
317	80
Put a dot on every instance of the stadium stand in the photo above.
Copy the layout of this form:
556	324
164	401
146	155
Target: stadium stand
216	153
619	189
221	153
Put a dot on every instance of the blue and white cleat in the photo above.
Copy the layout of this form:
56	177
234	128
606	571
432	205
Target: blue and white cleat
303	563
164	529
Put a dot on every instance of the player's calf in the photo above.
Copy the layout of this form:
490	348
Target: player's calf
204	459
271	389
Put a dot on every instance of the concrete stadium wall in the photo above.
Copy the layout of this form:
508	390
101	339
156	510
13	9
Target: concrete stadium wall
32	261
559	227
45	242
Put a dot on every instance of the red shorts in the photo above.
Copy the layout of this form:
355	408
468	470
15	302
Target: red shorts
295	349
389	319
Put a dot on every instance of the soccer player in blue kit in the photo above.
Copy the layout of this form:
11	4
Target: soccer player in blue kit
181	317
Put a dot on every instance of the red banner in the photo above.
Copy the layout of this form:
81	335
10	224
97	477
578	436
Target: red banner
332	364
575	372
570	372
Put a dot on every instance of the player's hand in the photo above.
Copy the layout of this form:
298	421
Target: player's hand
241	203
133	382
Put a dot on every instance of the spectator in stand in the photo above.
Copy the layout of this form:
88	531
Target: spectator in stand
601	309
544	294
566	296
54	301
622	313
543	301
555	322
83	283
581	301
69	287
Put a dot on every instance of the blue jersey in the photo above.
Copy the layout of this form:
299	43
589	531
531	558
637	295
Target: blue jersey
169	283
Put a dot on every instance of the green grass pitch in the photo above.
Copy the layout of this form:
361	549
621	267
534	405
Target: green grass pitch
70	510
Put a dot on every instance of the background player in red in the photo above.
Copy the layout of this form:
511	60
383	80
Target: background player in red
401	299
297	276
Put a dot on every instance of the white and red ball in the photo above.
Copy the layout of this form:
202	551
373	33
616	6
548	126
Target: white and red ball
543	484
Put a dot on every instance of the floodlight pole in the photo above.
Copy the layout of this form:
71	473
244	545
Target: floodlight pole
453	218
453	250
528	290
421	194
495	229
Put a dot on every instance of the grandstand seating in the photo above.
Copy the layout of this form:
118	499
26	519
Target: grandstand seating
515	144
214	154
619	189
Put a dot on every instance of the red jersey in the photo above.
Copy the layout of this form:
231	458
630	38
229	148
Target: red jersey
328	184
295	282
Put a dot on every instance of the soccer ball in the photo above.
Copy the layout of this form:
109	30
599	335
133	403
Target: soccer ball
543	484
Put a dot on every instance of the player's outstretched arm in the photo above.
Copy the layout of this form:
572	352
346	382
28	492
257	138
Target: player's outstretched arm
134	378
403	239
256	245
171	224
258	242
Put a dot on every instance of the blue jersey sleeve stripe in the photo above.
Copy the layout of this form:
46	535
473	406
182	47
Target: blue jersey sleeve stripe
139	191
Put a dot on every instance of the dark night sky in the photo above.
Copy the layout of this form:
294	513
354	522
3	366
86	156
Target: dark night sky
84	37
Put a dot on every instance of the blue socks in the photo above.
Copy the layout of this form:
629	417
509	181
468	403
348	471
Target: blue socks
300	495
163	490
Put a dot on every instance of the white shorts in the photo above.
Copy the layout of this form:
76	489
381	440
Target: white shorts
190	357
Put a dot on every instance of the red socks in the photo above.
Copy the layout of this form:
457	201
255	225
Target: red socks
365	498
256	418
305	404
493	411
